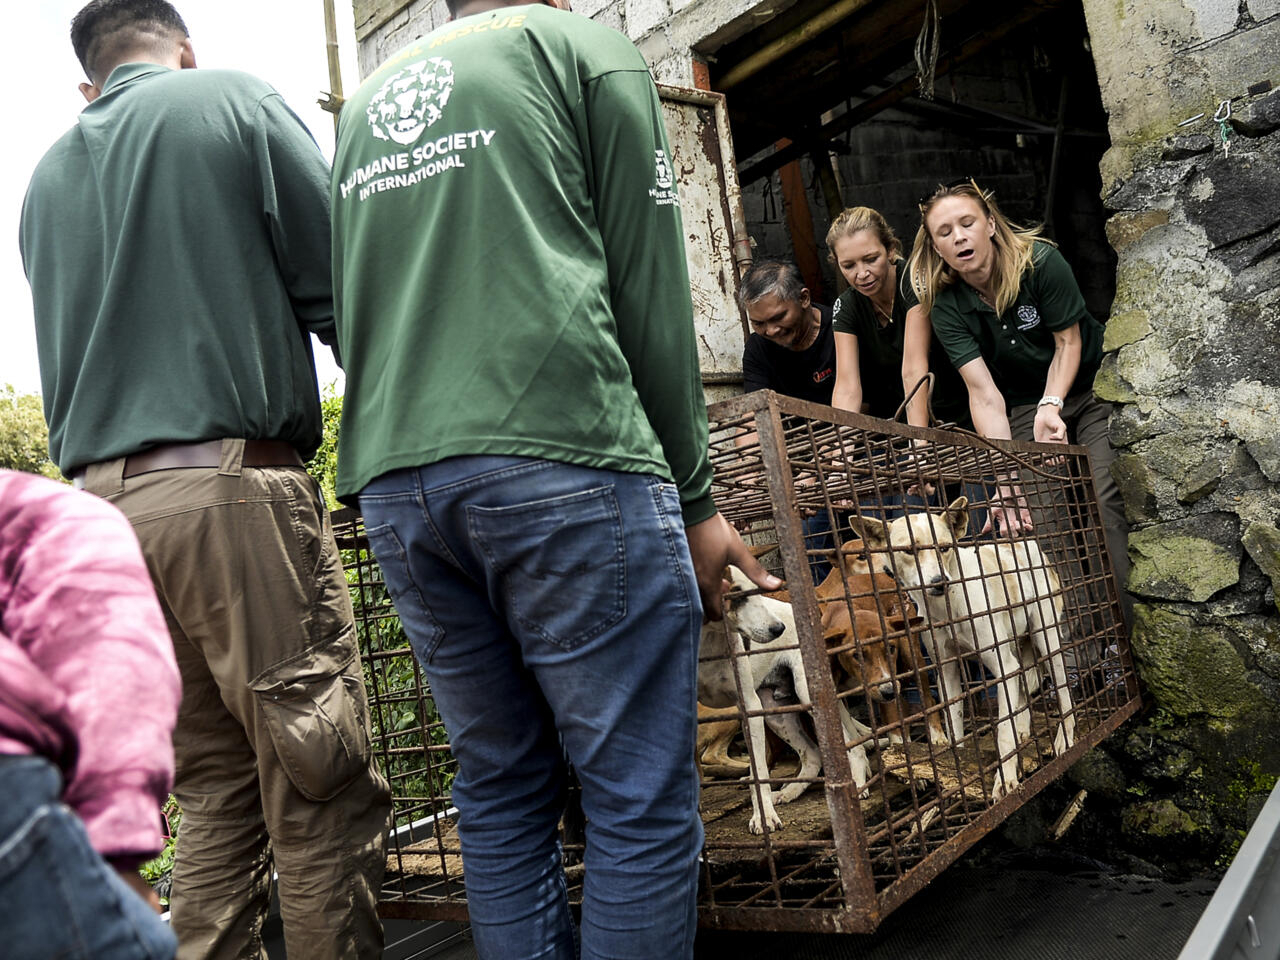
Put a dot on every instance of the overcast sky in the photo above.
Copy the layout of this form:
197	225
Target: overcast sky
281	41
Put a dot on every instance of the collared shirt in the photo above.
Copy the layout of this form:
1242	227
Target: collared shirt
509	266
1018	345
177	244
880	354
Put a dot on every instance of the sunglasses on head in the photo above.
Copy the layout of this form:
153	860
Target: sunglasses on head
946	187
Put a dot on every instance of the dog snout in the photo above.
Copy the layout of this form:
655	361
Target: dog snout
938	586
887	690
777	629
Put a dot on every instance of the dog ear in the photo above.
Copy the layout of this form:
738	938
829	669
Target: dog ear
832	633
956	517
873	532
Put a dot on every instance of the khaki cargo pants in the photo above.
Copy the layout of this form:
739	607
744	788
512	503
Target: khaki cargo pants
272	742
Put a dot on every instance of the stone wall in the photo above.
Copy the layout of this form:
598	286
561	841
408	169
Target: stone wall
1193	365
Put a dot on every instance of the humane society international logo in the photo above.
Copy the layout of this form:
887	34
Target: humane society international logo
1028	317
408	102
662	192
411	100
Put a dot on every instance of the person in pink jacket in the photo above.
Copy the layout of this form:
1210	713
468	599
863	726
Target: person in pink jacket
89	694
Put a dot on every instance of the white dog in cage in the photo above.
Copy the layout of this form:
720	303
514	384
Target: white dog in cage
755	648
1001	602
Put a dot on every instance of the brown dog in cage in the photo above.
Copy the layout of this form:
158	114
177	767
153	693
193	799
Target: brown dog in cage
1001	602
754	648
877	663
873	659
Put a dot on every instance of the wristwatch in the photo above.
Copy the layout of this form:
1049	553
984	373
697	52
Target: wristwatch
1049	398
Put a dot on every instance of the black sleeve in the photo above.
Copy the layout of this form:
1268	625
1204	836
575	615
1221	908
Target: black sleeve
755	368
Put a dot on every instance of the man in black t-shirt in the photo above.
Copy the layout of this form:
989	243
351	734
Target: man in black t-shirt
791	349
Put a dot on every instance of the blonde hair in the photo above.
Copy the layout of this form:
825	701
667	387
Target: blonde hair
1014	246
855	220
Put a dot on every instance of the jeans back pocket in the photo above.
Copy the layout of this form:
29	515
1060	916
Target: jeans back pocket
560	563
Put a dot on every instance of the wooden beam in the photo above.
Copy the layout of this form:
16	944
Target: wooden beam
828	18
795	201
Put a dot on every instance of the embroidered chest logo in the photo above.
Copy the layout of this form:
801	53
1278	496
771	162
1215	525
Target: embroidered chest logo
662	170
411	100
1028	317
820	375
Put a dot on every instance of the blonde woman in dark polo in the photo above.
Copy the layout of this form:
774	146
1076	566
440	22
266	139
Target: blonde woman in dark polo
1006	308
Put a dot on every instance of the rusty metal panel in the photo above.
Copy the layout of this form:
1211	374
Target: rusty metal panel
898	764
716	241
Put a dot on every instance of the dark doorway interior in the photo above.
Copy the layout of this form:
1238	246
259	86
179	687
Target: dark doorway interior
826	111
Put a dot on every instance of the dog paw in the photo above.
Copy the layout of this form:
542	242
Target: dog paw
790	792
896	737
754	824
1002	788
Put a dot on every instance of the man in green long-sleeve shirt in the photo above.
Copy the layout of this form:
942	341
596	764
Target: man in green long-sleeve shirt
177	244
525	432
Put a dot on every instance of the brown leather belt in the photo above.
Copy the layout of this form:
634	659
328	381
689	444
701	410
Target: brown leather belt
176	456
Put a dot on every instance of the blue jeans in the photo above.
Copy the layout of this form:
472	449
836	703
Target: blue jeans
60	899
553	603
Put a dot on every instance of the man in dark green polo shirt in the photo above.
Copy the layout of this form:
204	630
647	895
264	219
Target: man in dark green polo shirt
525	431
177	244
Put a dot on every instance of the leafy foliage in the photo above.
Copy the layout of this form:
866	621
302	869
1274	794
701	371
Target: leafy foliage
324	465
158	870
24	435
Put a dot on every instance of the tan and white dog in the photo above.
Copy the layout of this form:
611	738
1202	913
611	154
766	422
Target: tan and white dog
1000	602
754	648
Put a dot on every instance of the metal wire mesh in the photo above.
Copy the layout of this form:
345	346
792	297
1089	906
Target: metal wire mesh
915	684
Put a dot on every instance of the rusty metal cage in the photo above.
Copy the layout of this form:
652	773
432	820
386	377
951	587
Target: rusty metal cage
922	679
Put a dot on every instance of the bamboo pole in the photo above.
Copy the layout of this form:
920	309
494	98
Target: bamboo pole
332	101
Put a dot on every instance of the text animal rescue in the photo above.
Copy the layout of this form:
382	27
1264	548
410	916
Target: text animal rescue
428	159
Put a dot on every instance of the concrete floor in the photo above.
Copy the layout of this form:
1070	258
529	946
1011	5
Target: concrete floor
1021	907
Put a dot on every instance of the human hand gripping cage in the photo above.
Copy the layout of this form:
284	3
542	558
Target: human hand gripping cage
914	684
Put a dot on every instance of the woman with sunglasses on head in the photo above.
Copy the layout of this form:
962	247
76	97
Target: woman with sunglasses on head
1006	308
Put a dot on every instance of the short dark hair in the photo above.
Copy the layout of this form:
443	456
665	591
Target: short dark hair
104	30
781	279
